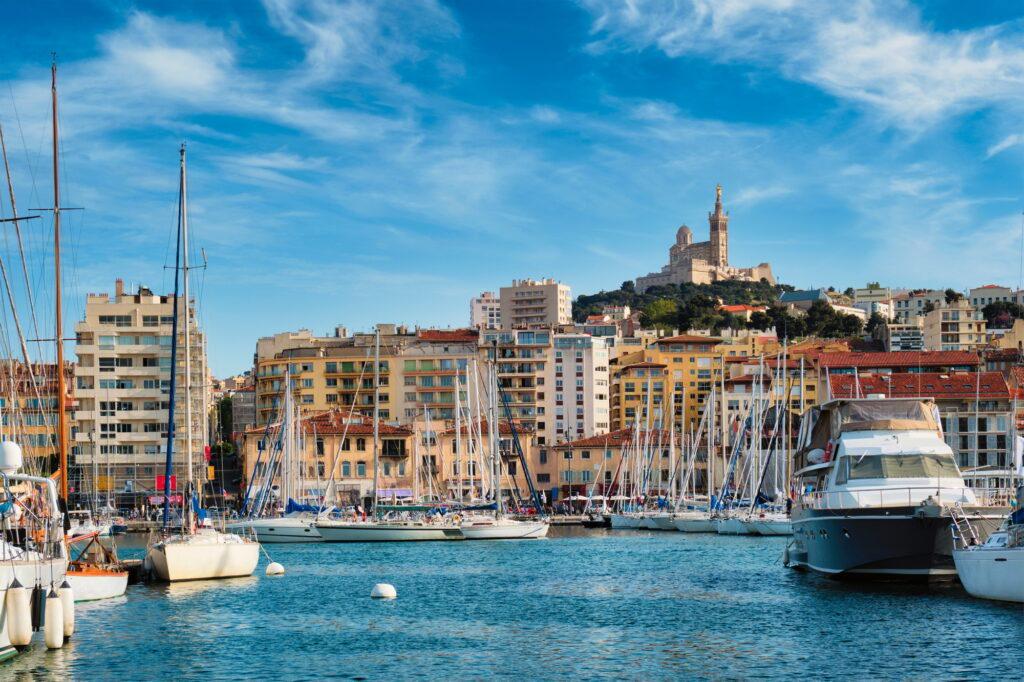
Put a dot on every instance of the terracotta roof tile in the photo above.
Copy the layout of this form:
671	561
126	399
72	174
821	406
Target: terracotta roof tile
612	439
452	335
955	385
939	358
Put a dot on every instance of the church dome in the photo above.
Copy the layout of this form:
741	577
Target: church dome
684	235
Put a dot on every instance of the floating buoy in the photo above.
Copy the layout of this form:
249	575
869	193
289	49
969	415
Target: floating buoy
67	601
53	627
274	568
19	615
384	591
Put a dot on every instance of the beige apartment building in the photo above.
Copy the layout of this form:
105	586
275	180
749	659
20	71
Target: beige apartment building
485	311
954	326
531	303
122	391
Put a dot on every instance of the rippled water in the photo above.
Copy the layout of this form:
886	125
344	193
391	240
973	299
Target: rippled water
581	603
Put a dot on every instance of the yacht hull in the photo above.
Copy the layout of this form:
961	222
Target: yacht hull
625	522
695	524
93	584
505	530
385	532
732	525
893	542
990	573
198	559
279	530
771	527
663	522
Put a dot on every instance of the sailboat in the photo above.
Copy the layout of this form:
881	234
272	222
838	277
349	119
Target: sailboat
200	551
499	526
297	524
404	528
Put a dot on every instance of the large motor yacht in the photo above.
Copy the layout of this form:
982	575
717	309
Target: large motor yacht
874	486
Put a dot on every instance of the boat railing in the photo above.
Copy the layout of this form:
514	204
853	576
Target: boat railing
858	498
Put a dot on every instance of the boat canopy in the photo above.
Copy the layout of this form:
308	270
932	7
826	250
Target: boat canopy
828	421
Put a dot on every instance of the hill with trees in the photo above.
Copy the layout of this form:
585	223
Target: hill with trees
696	306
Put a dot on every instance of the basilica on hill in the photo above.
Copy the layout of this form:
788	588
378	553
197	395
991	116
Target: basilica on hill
703	262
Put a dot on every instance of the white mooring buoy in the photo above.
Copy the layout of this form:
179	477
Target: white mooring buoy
53	627
384	591
274	568
19	615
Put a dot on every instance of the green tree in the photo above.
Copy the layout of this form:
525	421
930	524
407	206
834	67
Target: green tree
873	322
953	296
1002	314
660	313
928	307
873	285
760	321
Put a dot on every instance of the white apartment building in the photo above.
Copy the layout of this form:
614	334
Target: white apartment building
485	311
574	401
122	391
908	306
872	295
532	303
980	297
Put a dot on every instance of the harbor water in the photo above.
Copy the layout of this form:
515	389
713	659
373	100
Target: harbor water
580	604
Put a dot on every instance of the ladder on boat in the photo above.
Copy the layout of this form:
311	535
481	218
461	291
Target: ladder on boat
961	527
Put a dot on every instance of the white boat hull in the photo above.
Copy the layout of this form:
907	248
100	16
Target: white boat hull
732	526
204	556
992	573
387	532
663	522
504	529
280	530
28	573
93	586
625	522
695	524
772	526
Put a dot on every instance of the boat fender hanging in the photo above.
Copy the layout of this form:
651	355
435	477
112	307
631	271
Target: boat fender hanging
53	627
67	600
19	614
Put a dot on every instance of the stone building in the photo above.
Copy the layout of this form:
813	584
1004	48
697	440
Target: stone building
703	262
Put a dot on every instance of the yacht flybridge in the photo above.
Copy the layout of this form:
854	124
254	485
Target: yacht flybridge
874	485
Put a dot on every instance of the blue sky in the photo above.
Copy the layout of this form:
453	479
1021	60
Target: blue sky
355	162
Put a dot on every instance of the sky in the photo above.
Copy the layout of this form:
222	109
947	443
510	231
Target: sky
367	161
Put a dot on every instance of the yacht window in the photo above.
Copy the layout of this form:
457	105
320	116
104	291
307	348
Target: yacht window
903	466
843	471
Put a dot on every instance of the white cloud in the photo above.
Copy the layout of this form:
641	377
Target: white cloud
754	194
1007	142
877	55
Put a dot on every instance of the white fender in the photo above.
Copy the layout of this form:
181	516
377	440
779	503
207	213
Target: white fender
53	627
67	602
19	614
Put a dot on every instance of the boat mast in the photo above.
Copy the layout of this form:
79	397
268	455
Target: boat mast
58	332
168	462
493	431
188	341
376	419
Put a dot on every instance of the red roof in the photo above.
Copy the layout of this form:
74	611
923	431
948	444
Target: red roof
452	335
910	358
746	379
613	439
689	338
503	428
955	385
742	308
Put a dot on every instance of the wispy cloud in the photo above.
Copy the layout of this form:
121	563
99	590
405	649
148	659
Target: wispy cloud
1007	142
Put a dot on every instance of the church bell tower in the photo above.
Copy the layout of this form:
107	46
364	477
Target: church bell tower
719	223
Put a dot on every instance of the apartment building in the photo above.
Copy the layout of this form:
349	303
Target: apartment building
595	463
900	336
485	311
954	326
339	446
122	389
30	411
532	303
418	371
910	305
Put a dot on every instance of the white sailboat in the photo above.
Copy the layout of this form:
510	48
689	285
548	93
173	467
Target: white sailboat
995	568
498	526
197	553
403	528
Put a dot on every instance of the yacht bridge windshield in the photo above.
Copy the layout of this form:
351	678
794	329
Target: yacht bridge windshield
905	465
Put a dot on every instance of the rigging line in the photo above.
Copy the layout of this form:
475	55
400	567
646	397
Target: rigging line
17	232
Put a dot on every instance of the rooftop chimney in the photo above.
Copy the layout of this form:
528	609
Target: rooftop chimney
118	287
